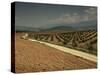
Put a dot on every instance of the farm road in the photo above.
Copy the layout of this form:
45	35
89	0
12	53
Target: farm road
71	51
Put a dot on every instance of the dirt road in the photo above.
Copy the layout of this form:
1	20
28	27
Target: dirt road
34	56
71	51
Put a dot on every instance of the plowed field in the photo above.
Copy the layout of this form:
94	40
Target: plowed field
34	56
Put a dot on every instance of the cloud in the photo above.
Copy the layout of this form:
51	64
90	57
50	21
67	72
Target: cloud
91	11
71	18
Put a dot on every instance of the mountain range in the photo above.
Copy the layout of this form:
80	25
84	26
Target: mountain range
56	28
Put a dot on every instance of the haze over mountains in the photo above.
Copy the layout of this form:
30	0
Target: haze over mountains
56	28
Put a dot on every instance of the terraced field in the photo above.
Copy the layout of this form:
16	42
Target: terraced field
81	40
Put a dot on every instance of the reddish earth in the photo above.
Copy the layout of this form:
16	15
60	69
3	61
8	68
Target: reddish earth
34	57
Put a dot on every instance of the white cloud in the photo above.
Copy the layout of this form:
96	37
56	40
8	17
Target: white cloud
91	11
71	18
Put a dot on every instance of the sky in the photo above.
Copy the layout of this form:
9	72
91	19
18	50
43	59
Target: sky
48	15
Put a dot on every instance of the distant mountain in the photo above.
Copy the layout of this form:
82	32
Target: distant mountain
85	25
70	28
23	28
60	28
89	27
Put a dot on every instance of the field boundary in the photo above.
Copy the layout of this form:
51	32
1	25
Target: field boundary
71	51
